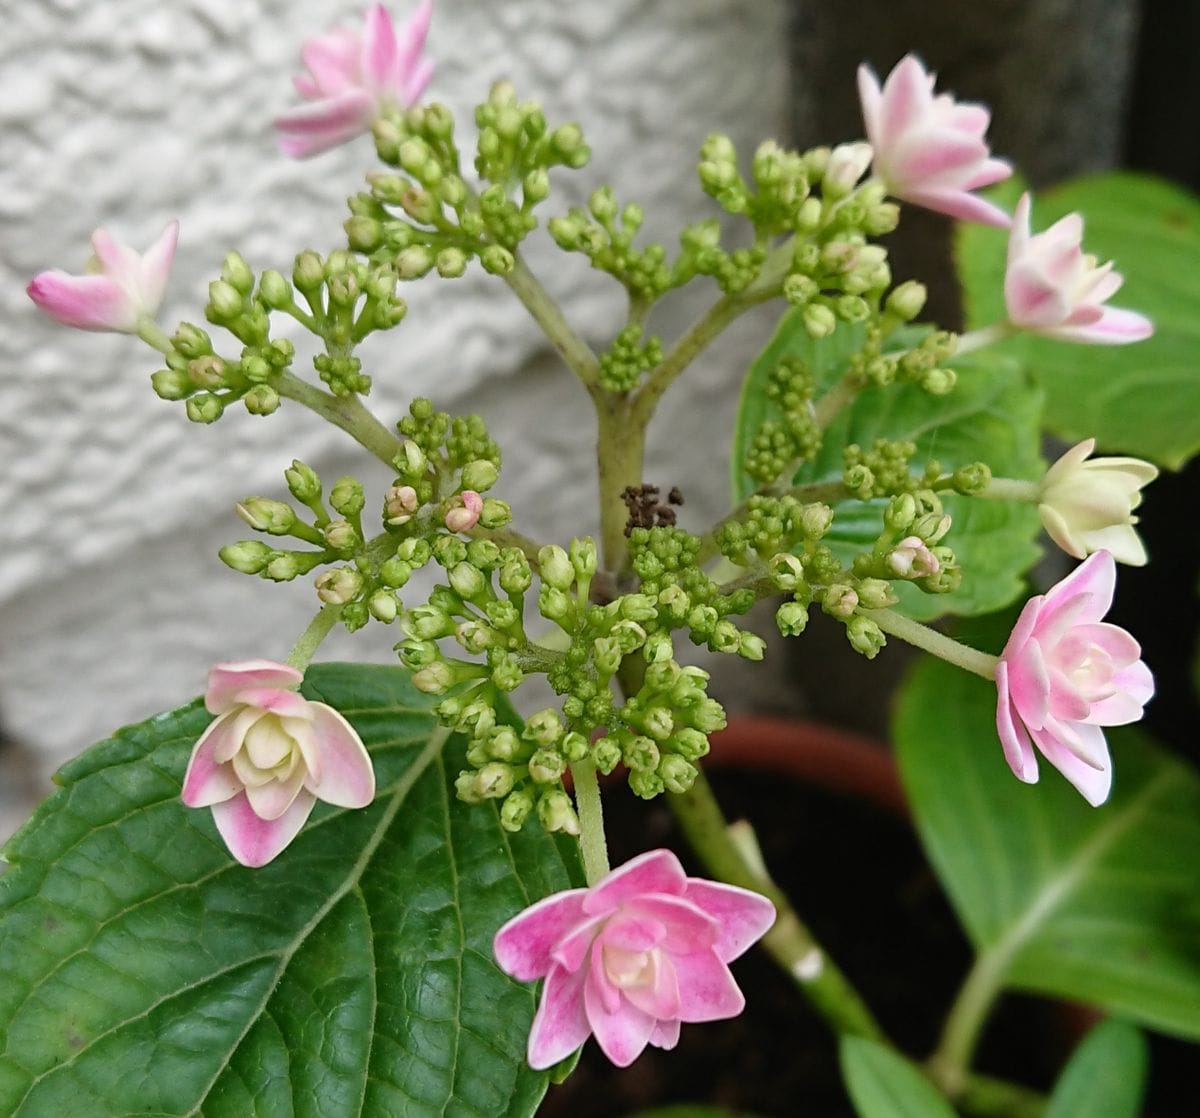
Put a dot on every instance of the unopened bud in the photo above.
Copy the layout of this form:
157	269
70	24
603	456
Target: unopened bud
339	586
247	556
497	260
265	515
907	300
677	773
556	813
547	766
555	567
224	302
171	384
434	678
464	516
495	514
204	408
262	399
792	619
479	475
819	320
303	482
865	636
346	496
515	809
308	273
341	535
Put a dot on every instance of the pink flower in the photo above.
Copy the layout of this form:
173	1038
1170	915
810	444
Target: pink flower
1052	288
352	77
930	150
1063	674
911	558
464	517
631	957
269	756
120	289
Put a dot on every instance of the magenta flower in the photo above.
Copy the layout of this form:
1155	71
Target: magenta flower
930	150
632	957
120	290
352	77
269	756
1063	675
1052	288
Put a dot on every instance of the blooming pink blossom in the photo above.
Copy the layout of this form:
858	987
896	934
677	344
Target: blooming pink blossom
1086	504
1063	675
464	517
352	77
120	288
632	957
1052	288
929	150
269	756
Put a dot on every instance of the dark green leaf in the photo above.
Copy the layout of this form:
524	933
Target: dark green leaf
883	1084
1095	904
147	973
1105	1077
992	415
1141	399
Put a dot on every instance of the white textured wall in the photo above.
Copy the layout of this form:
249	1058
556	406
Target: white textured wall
125	113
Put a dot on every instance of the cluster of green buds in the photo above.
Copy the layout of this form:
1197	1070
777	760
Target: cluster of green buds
424	216
792	436
770	525
630	356
911	546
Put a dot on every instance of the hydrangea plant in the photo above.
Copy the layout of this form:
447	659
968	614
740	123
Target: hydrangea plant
333	888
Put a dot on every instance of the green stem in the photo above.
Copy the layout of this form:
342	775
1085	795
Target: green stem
546	313
310	640
1013	489
591	821
347	412
964	1023
150	332
620	445
789	942
985	336
942	646
836	398
985	1097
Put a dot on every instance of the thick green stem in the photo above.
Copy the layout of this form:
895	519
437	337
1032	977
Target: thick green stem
347	412
839	396
620	445
310	640
546	313
789	942
1013	489
591	821
984	1097
942	646
153	335
986	336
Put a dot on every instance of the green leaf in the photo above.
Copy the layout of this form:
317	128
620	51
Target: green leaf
883	1084
147	973
1141	399
992	415
1105	1077
1094	904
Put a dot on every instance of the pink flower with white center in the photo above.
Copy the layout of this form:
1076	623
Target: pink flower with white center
121	287
269	756
1063	675
1086	504
1051	287
632	957
352	77
930	150
911	558
464	517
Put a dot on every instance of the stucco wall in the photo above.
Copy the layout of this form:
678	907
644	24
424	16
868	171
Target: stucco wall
125	113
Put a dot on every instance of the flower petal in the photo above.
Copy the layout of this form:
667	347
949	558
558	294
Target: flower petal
379	60
685	926
1116	326
665	1034
623	1034
1014	738
560	1025
660	996
960	204
656	871
743	916
226	681
1094	784
207	780
707	990
346	775
270	800
1096	576
85	302
254	841
523	946
1135	686
155	267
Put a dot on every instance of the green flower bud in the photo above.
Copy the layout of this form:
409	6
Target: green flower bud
839	600
477	718
338	586
689	744
606	754
413	262
641	753
414	551
469	582
785	571
752	647
875	593
907	301
662	675
852	308
939	381
383	606
515	809
972	479
363	233
583	557
724	637
645	783
497	260
475	637
496	514
900	512
544	728
606	655
658	723
674	602
411	461
865	636
346	496
506	673
247	556
451	262
224	302
555	605
658	648
484	554
574	746
536	186
678	774
555	567
204	408
274	290
502	614
171	384
808	218
556	813
434	678
341	536
819	321
190	341
503	744
262	399
494	781
479	475
798	289
289	565
547	767
515	575
303	482
708	716
792	619
638	607
466	787
702	620
426	623
265	515
629	635
236	272
308	273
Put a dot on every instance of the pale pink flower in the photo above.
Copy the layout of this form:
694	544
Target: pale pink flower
1052	288
632	957
269	756
1063	675
353	76
930	150
911	558
1086	504
120	289
464	517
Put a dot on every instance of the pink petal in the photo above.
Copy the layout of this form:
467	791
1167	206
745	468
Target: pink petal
631	931
1095	576
1029	683
321	125
378	64
85	302
1018	237
207	780
417	80
665	1034
1066	703
959	204
989	172
870	97
270	801
284	704
743	916
659	999
333	62
656	871
254	841
573	948
906	95
707	990
523	946
118	261
1135	689
226	681
685	926
1081	740
622	1035
1116	326
1094	784
1014	738
155	267
1031	300
560	1025
602	989
411	40
926	154
347	777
